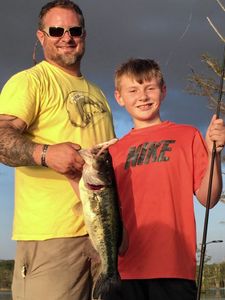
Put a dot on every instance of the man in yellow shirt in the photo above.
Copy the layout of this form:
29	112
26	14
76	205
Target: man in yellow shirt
47	113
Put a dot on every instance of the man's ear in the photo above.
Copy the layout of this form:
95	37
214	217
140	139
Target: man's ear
84	35
119	98
40	36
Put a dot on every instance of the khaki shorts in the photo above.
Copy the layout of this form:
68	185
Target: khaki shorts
56	269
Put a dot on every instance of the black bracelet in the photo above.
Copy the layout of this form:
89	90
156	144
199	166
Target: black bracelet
43	155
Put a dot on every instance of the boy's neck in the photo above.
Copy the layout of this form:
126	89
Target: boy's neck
146	123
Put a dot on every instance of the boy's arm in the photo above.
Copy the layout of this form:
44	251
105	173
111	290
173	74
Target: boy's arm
215	132
202	192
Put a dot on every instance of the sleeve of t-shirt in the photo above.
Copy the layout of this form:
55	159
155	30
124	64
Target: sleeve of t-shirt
19	97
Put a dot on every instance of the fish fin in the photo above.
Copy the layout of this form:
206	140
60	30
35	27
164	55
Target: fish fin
75	186
104	146
106	284
78	209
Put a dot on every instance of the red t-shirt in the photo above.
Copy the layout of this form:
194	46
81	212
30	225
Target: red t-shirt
157	170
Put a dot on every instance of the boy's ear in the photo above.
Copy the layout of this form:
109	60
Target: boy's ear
163	92
118	98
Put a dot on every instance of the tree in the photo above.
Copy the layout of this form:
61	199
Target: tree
200	84
6	273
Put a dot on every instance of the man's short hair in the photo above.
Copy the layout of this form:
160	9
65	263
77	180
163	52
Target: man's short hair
63	4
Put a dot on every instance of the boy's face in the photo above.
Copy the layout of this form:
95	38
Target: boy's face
142	101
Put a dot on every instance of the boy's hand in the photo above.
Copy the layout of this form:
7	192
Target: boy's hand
215	132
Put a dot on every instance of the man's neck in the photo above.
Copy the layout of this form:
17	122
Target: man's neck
73	70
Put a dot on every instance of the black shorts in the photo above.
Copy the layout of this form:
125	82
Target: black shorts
155	289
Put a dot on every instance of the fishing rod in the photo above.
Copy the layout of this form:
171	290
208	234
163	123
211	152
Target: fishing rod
203	245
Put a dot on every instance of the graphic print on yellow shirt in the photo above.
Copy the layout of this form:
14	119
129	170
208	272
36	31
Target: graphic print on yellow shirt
82	109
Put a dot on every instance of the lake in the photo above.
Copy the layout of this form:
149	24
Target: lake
210	295
214	294
5	296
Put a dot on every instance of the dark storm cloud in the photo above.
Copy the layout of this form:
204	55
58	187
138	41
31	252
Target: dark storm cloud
174	32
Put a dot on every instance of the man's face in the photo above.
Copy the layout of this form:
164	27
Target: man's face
67	50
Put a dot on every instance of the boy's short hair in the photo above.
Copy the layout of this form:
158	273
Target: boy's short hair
67	4
140	70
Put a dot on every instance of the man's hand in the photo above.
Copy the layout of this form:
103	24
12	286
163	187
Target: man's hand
64	158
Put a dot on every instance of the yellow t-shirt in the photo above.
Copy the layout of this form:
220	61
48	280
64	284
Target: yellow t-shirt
57	107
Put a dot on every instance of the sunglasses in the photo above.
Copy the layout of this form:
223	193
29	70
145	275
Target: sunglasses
60	31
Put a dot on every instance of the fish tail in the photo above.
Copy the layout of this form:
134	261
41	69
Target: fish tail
106	284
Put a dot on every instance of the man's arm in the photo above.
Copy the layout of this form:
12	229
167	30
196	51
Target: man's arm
17	150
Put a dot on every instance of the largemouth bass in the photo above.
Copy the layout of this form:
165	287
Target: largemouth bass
101	214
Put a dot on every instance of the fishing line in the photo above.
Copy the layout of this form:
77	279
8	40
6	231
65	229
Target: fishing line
183	34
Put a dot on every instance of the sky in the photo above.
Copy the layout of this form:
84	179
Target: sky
174	32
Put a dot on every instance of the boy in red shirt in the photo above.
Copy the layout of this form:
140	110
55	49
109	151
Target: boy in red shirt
159	165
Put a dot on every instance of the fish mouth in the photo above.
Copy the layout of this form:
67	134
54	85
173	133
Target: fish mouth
95	187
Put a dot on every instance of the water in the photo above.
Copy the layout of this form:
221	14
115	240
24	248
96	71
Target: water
214	294
5	296
210	295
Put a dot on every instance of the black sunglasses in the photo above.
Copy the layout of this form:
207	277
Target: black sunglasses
60	31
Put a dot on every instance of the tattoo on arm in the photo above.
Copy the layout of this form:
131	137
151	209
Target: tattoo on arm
15	149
